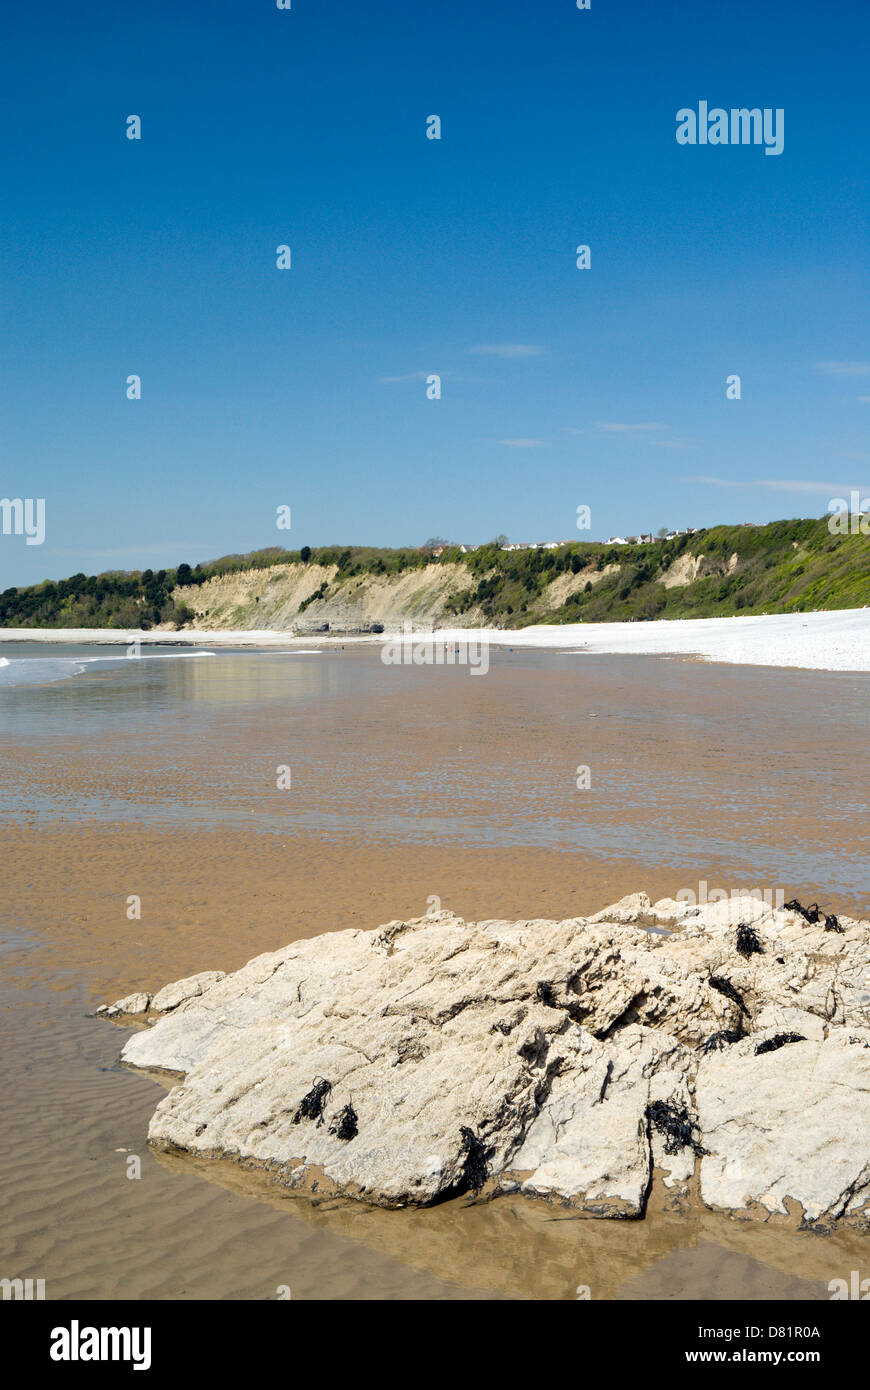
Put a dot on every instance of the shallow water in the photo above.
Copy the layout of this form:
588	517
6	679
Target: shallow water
21	667
158	778
699	762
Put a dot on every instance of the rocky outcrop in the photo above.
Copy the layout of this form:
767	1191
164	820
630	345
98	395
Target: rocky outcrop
166	999
131	1004
171	996
723	1050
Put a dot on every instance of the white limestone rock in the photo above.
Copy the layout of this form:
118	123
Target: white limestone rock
170	996
788	1126
132	1004
438	1055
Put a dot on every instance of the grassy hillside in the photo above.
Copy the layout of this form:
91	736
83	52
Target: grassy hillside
787	566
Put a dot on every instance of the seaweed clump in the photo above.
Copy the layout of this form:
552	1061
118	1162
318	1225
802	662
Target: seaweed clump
814	914
717	1042
810	914
346	1124
725	987
779	1040
474	1169
676	1125
312	1103
748	943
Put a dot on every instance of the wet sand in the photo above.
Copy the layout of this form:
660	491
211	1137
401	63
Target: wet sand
212	900
406	784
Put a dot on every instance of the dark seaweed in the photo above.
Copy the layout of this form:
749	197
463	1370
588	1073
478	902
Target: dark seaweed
311	1105
780	1040
814	914
675	1125
474	1169
809	914
748	943
345	1125
725	987
717	1042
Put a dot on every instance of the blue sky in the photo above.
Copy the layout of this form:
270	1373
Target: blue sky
307	387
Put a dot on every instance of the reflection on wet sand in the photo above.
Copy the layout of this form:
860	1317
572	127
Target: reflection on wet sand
520	1248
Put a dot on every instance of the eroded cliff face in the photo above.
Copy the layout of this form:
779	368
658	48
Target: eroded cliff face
723	1049
273	598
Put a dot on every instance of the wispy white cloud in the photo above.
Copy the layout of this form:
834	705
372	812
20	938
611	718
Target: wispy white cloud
777	484
509	350
524	443
407	376
645	430
612	427
844	368
865	400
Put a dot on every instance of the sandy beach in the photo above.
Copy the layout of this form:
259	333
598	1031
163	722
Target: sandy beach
157	779
824	641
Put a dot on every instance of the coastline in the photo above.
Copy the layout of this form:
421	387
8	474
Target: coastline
457	780
837	640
